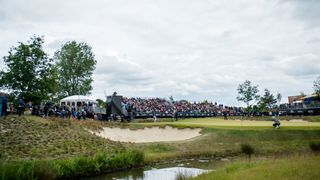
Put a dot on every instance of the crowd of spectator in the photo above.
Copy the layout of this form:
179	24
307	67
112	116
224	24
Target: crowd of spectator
63	111
161	105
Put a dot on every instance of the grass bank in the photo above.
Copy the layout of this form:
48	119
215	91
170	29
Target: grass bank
37	148
30	137
296	167
78	166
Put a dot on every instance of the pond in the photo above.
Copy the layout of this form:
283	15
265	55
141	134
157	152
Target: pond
169	171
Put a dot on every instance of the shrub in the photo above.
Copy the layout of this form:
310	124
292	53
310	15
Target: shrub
315	146
247	149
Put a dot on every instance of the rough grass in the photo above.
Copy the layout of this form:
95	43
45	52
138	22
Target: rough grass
78	166
30	137
296	167
53	148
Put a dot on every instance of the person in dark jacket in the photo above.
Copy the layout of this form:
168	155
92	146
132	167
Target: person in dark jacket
21	106
4	106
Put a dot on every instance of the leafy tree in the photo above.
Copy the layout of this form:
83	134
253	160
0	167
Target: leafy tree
28	71
279	97
316	86
247	93
268	101
101	103
75	65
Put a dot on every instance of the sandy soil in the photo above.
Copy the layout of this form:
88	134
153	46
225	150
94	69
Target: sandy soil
297	120
153	134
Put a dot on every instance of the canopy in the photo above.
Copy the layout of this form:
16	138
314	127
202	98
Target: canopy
78	98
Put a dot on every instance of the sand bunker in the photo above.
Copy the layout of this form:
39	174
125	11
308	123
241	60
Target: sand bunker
297	120
153	134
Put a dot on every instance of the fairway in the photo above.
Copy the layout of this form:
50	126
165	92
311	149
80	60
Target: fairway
217	122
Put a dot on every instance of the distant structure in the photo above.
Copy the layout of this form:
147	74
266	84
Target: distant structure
114	106
303	101
301	105
78	102
292	99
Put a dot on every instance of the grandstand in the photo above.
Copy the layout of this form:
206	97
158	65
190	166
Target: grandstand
146	107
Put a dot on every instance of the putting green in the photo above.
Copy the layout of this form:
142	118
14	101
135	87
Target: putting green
214	122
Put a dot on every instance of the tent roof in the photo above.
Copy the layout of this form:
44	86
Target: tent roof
78	98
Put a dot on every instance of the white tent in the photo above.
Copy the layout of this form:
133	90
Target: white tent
78	101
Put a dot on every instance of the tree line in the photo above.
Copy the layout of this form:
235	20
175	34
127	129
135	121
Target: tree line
268	102
31	74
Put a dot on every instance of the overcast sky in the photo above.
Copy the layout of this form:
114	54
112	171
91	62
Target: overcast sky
188	49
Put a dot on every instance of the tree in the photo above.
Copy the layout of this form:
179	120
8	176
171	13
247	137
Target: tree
316	86
279	97
268	101
247	93
75	65
28	71
101	103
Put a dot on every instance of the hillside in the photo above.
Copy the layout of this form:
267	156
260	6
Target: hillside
32	137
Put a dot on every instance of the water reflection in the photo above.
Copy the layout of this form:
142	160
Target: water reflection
166	171
153	174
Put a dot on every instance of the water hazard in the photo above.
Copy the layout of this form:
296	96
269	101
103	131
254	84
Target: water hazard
170	171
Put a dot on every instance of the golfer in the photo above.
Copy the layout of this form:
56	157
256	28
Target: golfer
276	122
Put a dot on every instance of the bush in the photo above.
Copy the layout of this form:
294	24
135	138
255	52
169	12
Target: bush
247	149
315	146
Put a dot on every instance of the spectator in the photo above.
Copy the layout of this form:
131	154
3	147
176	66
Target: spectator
21	106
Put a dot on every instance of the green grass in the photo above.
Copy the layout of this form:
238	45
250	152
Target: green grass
296	167
224	138
39	147
32	137
78	166
219	122
283	118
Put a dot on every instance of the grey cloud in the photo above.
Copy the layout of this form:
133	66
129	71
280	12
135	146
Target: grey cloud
304	65
314	41
307	11
122	72
57	43
192	50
